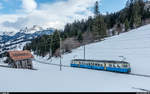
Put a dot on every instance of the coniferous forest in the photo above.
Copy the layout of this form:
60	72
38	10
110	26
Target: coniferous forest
93	29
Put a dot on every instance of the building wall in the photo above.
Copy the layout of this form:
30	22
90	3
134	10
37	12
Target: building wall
27	64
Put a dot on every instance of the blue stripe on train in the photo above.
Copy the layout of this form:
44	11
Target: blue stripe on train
85	66
102	68
74	65
99	68
117	69
91	67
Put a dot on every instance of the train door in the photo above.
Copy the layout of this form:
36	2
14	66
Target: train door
104	66
79	64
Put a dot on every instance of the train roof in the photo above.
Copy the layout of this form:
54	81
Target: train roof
108	61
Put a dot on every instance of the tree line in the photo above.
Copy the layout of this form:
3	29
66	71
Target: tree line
93	29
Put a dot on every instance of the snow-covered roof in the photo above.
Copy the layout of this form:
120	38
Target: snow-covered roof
20	55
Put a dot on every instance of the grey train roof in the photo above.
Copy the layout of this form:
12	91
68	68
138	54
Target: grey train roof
108	61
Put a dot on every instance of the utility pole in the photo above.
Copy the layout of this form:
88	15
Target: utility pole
84	51
50	54
60	52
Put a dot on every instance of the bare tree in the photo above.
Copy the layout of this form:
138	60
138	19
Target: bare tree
88	37
69	44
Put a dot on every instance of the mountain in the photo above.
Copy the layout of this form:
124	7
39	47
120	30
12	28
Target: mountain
26	34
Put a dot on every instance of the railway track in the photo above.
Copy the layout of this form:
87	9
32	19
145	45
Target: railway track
134	74
141	89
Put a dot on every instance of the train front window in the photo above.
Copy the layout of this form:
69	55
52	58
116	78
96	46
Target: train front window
125	65
128	65
72	62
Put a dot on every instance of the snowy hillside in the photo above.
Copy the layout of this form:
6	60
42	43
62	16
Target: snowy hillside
133	45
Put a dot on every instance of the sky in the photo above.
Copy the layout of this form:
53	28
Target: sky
18	14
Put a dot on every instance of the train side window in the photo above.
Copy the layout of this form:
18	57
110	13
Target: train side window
118	66
100	65
97	64
110	65
114	65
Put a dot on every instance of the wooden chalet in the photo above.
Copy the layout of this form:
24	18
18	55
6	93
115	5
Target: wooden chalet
20	59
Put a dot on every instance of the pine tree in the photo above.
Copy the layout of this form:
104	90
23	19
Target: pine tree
126	25
56	41
80	37
136	14
137	21
99	27
96	8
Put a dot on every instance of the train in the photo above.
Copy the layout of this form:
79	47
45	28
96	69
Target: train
106	65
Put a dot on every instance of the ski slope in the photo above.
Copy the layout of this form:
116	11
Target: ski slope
134	45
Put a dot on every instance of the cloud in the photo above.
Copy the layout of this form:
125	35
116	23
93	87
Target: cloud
29	5
16	25
54	15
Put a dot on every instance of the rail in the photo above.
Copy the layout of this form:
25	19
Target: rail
133	74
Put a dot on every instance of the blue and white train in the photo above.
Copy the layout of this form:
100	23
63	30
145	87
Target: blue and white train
114	66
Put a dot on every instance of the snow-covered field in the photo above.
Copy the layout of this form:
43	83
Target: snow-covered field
134	45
